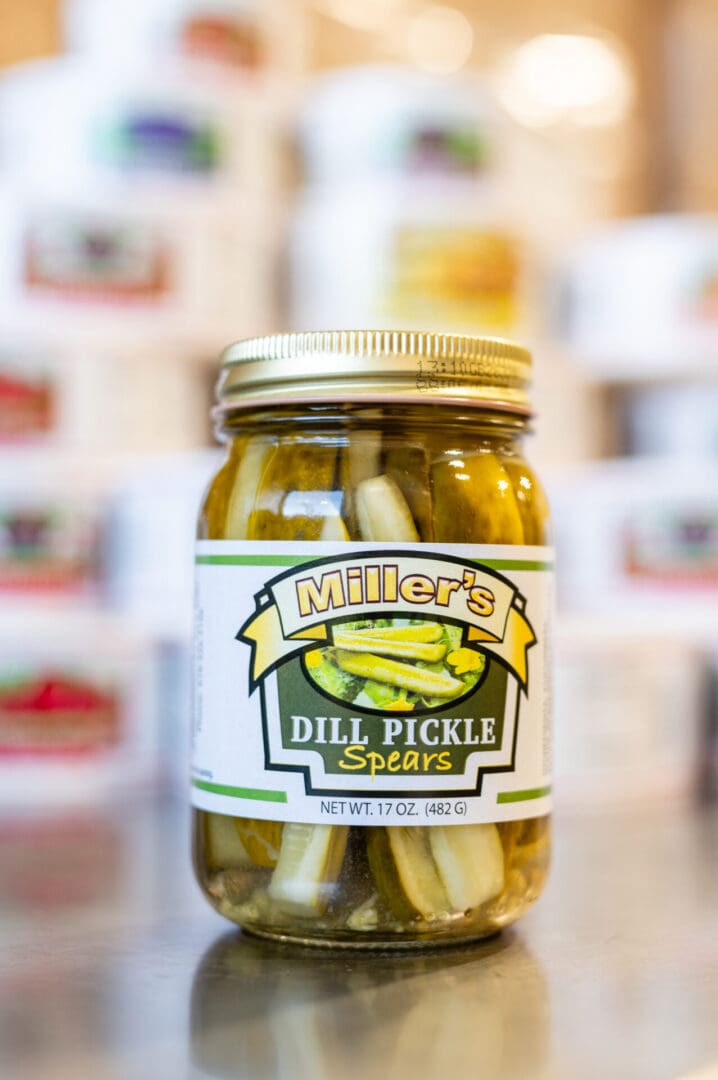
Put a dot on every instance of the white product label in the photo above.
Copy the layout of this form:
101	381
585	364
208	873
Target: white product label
364	684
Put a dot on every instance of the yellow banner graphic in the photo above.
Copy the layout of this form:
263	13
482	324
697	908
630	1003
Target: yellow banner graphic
270	646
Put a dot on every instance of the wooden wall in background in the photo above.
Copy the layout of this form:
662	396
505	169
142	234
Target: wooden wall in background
28	29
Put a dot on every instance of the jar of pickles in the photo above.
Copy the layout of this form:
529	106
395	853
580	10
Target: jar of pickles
371	745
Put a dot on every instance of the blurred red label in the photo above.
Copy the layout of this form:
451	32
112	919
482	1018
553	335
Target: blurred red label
57	716
676	548
26	406
234	42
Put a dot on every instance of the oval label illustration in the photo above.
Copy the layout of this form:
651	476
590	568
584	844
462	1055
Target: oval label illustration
395	664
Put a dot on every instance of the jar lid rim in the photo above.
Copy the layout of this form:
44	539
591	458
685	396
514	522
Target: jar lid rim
365	365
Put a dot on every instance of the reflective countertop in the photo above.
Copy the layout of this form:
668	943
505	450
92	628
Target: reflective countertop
114	968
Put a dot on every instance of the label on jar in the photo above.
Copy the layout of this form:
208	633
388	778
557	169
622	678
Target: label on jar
372	684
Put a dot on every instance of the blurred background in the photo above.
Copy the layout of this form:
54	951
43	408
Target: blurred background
177	174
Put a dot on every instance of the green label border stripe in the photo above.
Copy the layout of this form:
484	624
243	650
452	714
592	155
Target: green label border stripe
241	792
298	560
252	560
523	796
512	564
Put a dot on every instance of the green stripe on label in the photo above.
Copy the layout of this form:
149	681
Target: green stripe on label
241	792
252	560
297	560
523	796
513	564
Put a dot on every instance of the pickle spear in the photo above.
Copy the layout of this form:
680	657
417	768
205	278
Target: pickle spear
378	668
411	650
470	863
405	873
531	500
408	467
359	460
244	490
293	499
310	859
382	511
474	502
333	528
261	840
421	632
213	516
294	503
222	844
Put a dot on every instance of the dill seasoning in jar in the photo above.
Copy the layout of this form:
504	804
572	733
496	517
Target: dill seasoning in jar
372	687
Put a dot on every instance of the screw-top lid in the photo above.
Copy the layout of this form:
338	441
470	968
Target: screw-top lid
375	365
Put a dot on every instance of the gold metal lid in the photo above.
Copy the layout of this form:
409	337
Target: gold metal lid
375	365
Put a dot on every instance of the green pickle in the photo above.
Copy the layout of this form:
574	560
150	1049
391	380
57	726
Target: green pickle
362	477
294	493
409	468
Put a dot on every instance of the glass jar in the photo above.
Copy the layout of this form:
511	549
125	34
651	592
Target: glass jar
371	739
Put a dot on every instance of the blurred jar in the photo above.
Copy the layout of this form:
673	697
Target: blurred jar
632	714
676	419
52	513
365	123
245	38
151	542
377	253
109	400
78	709
158	128
162	269
404	219
639	535
642	298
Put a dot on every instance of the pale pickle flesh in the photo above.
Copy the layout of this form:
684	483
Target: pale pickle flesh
470	861
405	873
382	511
309	862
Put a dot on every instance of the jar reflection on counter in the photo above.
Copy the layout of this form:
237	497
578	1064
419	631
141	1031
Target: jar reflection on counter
260	1009
412	471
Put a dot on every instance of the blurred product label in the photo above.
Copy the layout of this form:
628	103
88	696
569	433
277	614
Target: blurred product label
56	714
638	535
233	41
48	548
27	403
659	314
462	276
88	258
443	148
673	547
159	141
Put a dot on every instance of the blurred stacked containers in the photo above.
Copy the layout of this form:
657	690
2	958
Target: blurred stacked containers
423	205
140	198
402	221
638	535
